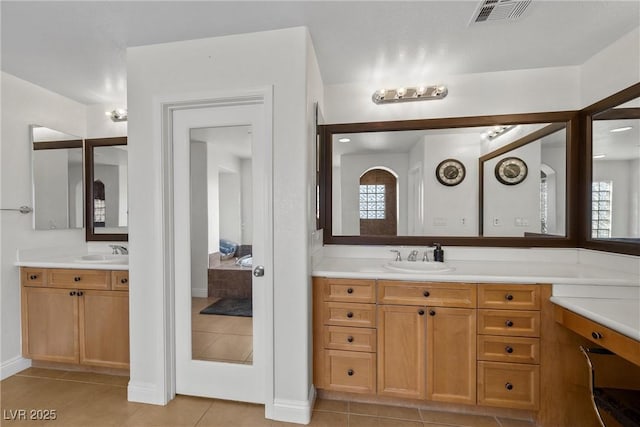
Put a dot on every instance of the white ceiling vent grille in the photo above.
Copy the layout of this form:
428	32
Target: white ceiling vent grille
498	10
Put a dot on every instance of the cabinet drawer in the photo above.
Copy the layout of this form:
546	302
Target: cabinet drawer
350	371
32	276
353	339
350	290
509	322
431	294
622	345
120	280
344	314
514	297
80	279
508	385
509	349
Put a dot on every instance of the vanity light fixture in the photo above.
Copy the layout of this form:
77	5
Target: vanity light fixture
344	140
404	94
496	131
118	115
622	129
599	156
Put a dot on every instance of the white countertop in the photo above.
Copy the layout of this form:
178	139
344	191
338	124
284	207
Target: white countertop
69	257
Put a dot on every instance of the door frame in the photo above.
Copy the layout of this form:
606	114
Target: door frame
164	133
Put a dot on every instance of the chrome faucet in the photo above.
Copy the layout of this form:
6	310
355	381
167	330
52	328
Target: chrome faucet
425	257
413	256
398	256
119	250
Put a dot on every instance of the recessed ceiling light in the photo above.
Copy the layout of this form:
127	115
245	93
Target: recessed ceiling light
599	156
622	129
344	140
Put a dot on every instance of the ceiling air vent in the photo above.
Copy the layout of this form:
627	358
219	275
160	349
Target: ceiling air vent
498	10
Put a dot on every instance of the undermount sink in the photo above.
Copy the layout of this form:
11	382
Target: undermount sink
104	259
418	266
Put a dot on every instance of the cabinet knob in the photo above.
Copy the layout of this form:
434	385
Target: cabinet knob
80	293
421	312
33	277
349	338
350	372
77	279
124	280
72	293
508	349
596	335
350	290
508	323
432	312
426	293
508	386
508	297
349	314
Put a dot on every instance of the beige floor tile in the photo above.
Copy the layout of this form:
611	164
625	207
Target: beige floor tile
228	348
326	405
507	422
42	373
41	393
365	421
198	304
183	411
239	325
226	414
462	420
384	411
200	341
328	419
90	377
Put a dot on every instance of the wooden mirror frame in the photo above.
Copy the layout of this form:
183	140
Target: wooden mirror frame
91	235
571	118
586	241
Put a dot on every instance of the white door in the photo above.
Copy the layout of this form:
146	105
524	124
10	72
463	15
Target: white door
206	364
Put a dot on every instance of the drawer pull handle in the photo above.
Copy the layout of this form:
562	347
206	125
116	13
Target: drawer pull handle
508	386
77	279
421	312
80	293
426	293
124	280
72	293
508	349
350	372
349	314
509	297
350	290
596	335
432	312
508	323
349	339
33	277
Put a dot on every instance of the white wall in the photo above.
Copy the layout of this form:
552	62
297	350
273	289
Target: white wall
556	159
619	173
230	207
225	64
51	195
199	220
76	195
99	125
634	198
246	178
24	104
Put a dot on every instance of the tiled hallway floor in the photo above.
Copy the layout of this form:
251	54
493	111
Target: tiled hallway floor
94	400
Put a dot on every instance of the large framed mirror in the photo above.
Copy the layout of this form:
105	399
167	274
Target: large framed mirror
106	205
422	181
612	181
57	179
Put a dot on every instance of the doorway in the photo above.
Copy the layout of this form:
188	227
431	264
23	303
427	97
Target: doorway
222	174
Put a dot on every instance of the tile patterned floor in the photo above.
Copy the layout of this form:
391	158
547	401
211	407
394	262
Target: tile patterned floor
220	338
96	400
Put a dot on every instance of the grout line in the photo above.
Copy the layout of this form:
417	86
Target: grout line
204	413
69	380
498	421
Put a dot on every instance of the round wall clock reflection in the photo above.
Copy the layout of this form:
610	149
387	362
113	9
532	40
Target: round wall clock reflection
511	171
450	172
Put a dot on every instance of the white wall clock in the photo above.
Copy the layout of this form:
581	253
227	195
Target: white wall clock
450	172
511	171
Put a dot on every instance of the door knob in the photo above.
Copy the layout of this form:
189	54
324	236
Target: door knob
258	271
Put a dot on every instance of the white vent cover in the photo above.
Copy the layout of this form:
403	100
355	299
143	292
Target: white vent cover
497	10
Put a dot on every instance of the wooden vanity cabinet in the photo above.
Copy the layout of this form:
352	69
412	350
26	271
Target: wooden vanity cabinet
75	321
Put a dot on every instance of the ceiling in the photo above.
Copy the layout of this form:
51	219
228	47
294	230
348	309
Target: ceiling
78	49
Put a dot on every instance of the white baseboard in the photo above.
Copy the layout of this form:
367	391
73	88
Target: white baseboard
199	292
145	393
13	366
294	411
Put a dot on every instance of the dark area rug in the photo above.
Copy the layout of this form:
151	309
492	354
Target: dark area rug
230	307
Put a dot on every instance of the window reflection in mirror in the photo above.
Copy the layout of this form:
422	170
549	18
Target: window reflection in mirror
524	184
110	208
615	186
57	179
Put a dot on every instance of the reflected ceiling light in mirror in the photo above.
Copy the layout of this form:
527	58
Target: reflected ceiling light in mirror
118	115
344	140
621	129
405	94
496	131
599	156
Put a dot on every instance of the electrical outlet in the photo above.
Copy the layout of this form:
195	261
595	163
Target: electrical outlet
496	222
463	221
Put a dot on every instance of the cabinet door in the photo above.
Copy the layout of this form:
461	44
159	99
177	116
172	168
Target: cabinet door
451	355
104	328
401	351
50	324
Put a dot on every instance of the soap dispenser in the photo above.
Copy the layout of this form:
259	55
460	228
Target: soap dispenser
438	253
